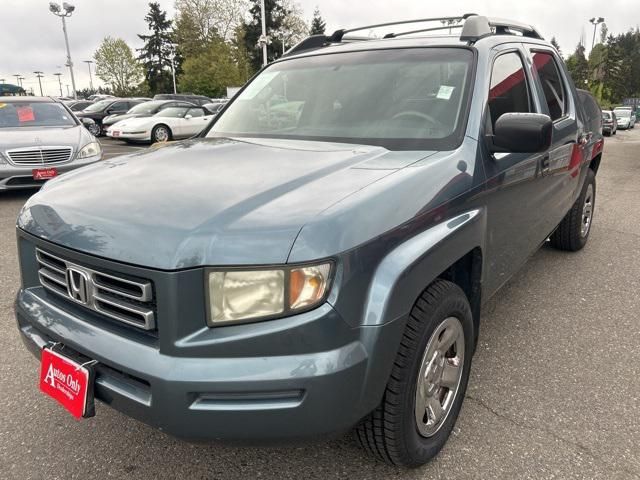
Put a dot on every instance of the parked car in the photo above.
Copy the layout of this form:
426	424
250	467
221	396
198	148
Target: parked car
98	97
168	124
40	138
321	269
214	107
593	113
626	118
146	109
103	108
195	99
610	122
78	105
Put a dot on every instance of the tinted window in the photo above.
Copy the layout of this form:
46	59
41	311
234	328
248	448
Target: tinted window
175	112
552	85
119	107
195	112
509	91
98	106
400	99
36	114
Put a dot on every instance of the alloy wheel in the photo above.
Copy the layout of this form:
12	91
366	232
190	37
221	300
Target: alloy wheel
587	212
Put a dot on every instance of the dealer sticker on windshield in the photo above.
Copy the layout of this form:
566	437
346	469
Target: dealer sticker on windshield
445	92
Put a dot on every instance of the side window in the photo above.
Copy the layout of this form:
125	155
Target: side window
119	107
509	91
552	85
196	112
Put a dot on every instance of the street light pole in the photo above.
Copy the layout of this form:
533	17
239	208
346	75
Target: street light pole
595	21
39	75
17	79
173	72
59	82
263	37
68	11
89	62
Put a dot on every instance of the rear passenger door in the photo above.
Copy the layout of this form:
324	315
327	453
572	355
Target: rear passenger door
561	169
513	179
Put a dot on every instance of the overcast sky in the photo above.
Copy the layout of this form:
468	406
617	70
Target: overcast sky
31	37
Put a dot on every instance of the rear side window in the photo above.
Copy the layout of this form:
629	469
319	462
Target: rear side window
195	112
509	91
552	85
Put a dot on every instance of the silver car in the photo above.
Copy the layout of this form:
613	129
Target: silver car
39	139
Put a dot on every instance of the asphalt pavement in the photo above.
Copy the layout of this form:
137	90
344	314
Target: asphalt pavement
554	389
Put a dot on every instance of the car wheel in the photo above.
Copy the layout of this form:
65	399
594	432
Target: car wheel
160	134
94	129
428	381
573	232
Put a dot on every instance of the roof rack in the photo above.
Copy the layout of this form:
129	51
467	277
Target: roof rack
474	28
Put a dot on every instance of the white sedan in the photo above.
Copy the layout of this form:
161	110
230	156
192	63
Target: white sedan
168	124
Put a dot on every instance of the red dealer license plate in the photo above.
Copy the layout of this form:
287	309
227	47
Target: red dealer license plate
68	382
44	173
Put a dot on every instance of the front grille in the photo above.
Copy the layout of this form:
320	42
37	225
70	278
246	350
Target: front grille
125	300
37	156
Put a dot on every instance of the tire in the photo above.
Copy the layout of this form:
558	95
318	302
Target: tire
573	232
94	129
160	133
392	432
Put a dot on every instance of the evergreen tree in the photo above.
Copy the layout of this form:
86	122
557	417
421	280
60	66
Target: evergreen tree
556	45
275	14
157	51
579	67
318	25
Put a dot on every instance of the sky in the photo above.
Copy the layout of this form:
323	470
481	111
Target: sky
31	37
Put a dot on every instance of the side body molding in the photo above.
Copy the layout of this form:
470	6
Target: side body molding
410	267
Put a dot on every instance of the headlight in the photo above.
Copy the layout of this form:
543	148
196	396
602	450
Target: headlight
3	161
238	296
90	150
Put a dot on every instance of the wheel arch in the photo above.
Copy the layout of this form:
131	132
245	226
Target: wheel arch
595	163
161	124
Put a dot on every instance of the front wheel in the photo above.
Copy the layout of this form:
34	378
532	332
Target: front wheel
428	381
573	232
160	134
94	129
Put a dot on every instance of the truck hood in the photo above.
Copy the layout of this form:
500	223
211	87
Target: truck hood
205	201
75	137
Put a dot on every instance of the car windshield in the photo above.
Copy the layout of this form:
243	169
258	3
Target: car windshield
399	98
34	114
172	112
606	116
98	106
622	112
147	107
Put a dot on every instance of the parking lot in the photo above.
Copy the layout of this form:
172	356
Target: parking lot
554	389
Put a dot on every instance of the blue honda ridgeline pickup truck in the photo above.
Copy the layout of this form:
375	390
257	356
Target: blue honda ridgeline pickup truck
316	261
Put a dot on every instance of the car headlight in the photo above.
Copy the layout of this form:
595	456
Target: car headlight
90	150
3	161
248	295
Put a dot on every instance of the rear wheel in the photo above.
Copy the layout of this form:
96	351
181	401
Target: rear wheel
573	232
427	384
160	134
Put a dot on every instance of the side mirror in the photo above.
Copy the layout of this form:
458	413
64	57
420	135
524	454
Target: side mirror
86	121
522	133
187	117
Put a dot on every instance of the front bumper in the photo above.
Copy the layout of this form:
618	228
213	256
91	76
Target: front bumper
14	178
138	137
305	376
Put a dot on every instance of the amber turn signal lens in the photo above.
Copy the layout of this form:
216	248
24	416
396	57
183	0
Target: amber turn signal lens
308	285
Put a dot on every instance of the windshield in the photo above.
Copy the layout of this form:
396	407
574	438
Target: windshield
172	112
606	115
147	107
36	114
400	98
622	112
98	106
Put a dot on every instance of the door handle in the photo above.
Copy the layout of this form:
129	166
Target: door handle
546	163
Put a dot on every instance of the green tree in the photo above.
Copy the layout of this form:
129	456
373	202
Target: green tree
157	50
117	66
318	25
212	71
556	45
275	14
579	67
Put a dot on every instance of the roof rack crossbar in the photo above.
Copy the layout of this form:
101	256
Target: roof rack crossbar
422	30
338	34
478	27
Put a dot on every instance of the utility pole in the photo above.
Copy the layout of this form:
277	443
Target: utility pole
595	21
173	72
89	62
39	75
59	82
68	90
57	10
21	79
263	38
17	75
